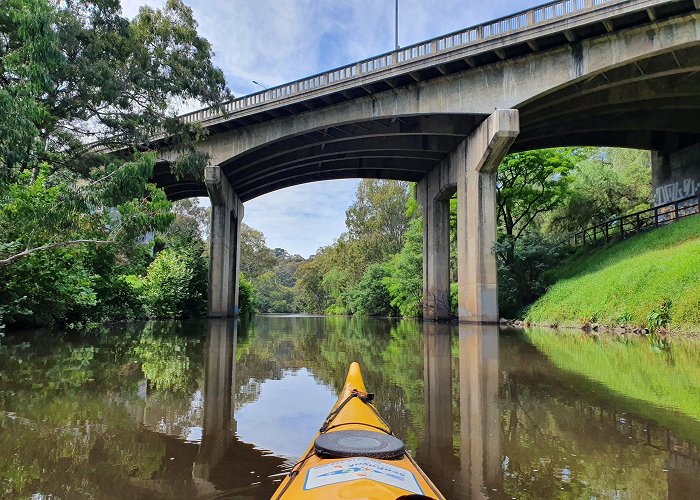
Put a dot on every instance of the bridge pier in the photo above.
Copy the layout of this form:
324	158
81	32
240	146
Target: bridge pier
224	244
433	193
471	171
484	149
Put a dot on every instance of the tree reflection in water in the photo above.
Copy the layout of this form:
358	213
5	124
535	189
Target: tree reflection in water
149	410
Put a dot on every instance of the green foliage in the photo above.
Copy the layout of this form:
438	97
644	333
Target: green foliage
609	183
246	297
28	54
172	281
271	295
522	267
80	71
378	217
336	280
370	297
530	184
256	257
629	279
309	293
405	280
77	80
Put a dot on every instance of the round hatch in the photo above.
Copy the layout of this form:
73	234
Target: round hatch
355	443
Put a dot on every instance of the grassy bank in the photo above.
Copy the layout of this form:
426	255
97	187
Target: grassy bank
624	282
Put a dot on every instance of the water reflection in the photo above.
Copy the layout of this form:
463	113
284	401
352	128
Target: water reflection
480	425
197	410
219	424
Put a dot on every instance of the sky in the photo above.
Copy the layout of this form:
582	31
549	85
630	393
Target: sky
277	41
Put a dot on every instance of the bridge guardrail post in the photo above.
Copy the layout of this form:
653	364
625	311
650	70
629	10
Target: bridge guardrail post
530	18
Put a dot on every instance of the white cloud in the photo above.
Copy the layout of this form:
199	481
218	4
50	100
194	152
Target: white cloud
302	218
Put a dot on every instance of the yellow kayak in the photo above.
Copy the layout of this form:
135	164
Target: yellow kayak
356	456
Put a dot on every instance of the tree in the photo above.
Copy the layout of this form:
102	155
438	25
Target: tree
370	297
256	257
405	280
271	295
530	184
378	215
81	83
82	92
286	266
309	294
102	81
610	182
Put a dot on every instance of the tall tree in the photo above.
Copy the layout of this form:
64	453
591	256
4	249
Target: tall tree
530	184
378	215
256	257
101	81
608	183
80	81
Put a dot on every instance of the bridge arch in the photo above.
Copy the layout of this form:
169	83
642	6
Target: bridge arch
625	75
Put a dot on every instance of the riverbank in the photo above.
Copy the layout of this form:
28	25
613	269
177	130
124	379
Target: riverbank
651	277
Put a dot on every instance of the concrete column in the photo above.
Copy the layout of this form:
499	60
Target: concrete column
483	150
224	248
433	193
480	423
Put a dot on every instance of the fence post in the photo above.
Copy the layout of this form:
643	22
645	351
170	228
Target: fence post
675	210
622	228
607	233
656	217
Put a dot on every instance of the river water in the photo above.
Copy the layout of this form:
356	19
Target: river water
218	410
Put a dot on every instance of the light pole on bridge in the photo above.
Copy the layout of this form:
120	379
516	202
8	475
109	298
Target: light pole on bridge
396	25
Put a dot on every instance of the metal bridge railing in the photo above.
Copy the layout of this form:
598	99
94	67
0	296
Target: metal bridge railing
629	225
490	30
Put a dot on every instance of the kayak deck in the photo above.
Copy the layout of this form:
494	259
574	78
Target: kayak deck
356	456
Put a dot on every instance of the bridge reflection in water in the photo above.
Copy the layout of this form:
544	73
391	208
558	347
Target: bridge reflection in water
477	469
497	418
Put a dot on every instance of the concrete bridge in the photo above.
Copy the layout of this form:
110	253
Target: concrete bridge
443	113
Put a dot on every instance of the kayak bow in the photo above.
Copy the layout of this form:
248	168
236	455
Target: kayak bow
355	455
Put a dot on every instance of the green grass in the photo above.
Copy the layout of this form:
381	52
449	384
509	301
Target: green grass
622	283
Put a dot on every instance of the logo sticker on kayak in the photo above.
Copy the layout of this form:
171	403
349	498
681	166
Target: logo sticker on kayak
354	469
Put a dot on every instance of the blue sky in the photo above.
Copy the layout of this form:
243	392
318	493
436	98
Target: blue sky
276	41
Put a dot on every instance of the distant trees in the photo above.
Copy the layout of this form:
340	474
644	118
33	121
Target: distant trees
348	276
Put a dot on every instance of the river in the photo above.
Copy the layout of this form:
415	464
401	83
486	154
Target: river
212	409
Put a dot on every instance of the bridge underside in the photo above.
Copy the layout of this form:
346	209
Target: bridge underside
650	103
400	148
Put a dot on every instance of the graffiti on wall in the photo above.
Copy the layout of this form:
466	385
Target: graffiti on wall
675	191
